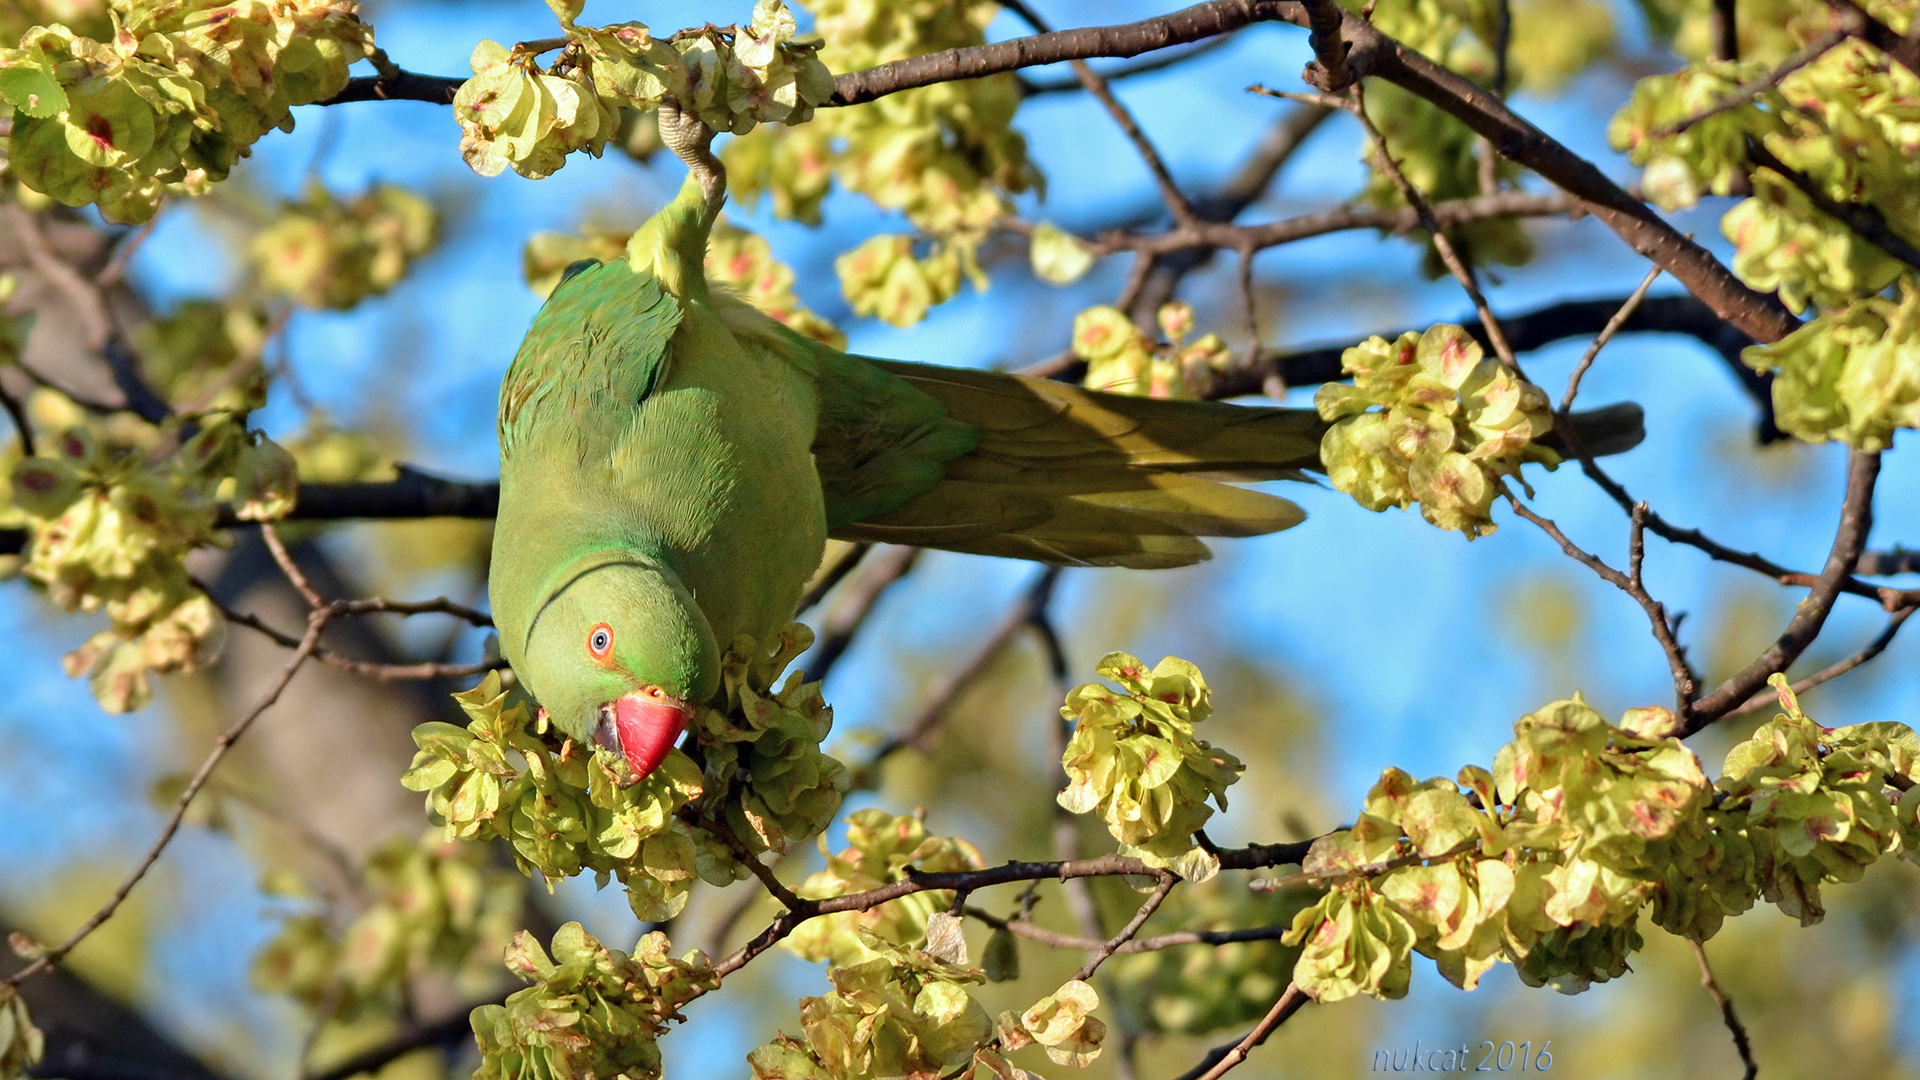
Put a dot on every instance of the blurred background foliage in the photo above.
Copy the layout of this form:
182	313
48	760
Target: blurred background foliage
1353	642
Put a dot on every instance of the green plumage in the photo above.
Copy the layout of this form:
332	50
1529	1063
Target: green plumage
673	461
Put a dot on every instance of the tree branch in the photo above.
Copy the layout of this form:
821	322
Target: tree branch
316	623
400	86
1862	219
1761	315
1252	857
1739	1031
1856	519
1904	50
1152	904
1874	648
1223	1058
1032	88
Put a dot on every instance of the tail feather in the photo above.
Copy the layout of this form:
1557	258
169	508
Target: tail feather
1063	475
1075	477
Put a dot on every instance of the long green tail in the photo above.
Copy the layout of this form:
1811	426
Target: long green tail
1075	477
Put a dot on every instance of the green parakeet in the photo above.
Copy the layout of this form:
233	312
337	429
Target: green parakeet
673	462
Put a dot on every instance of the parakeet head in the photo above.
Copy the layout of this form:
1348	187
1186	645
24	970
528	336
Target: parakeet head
616	652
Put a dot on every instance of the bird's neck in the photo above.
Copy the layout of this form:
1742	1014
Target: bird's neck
673	243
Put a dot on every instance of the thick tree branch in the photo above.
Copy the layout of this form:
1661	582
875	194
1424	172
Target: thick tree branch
1761	315
1200	21
1369	52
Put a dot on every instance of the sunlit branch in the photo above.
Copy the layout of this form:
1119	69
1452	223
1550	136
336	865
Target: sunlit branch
1033	88
948	690
1800	58
316	622
1435	233
1223	1058
1833	671
1252	857
1738	1030
1108	948
1856	515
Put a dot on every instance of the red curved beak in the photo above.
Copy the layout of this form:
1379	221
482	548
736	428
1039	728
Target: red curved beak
642	729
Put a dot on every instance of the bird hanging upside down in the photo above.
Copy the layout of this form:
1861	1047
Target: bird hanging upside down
673	462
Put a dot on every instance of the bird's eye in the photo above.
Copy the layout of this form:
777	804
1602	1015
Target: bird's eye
600	642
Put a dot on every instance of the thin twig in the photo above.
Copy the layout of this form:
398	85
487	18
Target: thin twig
1849	539
829	576
1140	917
123	253
855	603
295	576
1096	85
1031	88
1600	340
914	731
1878	645
381	672
316	622
1720	998
1683	679
1290	1002
1461	272
1032	931
1800	58
88	305
1170	193
1897	560
1251	857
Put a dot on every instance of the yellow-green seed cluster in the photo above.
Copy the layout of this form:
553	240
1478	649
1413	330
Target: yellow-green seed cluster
1548	860
880	849
325	252
590	1011
512	113
112	513
946	156
1429	420
171	99
431	906
1123	360
1134	760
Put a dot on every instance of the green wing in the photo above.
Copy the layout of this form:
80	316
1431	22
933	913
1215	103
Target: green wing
598	348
